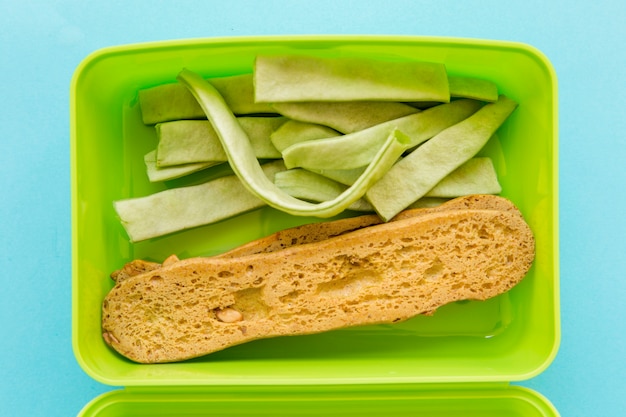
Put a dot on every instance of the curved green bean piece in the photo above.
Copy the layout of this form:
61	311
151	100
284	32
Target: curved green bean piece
246	166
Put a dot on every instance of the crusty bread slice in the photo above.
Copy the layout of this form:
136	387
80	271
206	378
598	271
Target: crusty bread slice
379	274
314	232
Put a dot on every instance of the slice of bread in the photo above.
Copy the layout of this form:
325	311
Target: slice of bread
378	274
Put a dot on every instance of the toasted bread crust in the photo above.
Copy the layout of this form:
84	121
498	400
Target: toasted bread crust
379	274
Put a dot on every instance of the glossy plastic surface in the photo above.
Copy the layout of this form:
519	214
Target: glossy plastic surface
511	337
285	401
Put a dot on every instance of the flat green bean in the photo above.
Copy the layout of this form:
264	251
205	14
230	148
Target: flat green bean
182	208
157	174
345	116
289	78
192	141
470	87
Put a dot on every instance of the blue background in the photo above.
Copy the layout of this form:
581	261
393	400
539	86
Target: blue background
42	42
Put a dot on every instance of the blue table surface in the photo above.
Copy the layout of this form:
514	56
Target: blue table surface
42	42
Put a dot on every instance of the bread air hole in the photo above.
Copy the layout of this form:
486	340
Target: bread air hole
249	302
435	271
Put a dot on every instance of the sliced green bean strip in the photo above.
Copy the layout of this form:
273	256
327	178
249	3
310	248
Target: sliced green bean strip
173	101
288	78
356	149
245	165
342	176
156	174
310	186
187	141
413	176
470	87
293	131
259	130
183	208
191	141
476	176
345	116
167	102
466	87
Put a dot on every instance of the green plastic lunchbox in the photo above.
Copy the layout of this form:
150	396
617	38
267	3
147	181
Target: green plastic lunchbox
460	361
